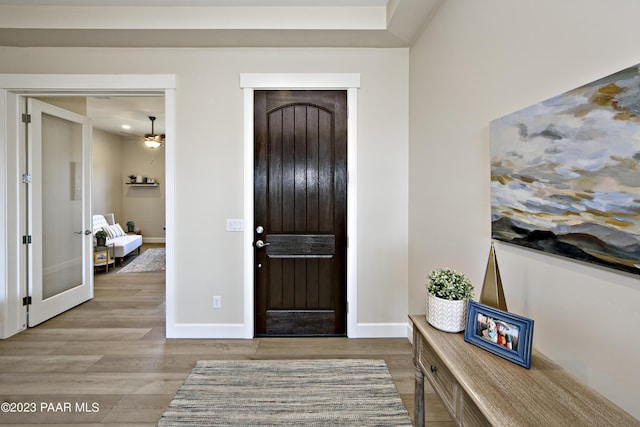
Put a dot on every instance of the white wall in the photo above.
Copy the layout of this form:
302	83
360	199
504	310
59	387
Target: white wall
107	176
114	159
144	205
209	162
478	61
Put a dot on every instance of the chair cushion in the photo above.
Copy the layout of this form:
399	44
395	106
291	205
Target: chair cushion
125	244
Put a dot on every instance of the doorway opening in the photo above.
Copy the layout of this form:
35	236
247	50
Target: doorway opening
116	151
255	82
300	212
14	87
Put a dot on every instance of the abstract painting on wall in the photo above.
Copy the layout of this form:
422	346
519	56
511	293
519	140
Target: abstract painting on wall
565	174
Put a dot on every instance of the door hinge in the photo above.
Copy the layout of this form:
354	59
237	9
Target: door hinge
26	118
26	301
26	240
26	178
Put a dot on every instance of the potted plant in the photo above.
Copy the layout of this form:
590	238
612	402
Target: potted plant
101	238
132	178
447	294
131	224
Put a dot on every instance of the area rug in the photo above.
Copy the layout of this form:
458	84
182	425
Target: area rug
150	260
287	393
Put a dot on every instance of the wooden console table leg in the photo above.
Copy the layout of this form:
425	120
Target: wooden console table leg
419	399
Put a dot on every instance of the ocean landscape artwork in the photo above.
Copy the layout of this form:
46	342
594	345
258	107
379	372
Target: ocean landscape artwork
565	174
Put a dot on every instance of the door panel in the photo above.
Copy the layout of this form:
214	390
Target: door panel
300	212
301	245
60	254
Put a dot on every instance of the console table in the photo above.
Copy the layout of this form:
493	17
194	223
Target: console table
481	389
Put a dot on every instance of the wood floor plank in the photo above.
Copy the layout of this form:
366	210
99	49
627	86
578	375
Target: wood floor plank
28	347
83	334
112	351
138	409
48	363
110	347
145	363
58	384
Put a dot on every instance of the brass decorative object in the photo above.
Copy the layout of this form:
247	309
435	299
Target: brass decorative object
492	293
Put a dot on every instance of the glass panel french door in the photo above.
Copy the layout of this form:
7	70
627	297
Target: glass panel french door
59	157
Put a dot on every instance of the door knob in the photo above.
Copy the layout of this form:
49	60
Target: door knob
261	244
85	232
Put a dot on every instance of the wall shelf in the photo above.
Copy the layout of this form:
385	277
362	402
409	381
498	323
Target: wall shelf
138	184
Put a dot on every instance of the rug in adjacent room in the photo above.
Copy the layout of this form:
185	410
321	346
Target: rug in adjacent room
153	259
287	393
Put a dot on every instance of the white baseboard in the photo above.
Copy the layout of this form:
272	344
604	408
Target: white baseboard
380	330
210	330
153	240
238	331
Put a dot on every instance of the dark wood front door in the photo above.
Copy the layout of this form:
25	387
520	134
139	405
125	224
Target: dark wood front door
300	230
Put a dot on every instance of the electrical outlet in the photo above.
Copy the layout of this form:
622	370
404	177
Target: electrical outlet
217	301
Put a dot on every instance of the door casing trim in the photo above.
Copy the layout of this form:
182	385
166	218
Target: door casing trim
12	85
350	82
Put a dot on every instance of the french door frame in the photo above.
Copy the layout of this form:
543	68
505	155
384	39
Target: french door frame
12	88
349	82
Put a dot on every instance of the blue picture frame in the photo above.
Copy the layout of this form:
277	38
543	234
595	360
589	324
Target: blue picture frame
499	332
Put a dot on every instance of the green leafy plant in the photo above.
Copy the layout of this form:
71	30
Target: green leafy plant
101	234
131	223
448	284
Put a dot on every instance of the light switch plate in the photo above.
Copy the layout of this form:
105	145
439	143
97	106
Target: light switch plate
235	225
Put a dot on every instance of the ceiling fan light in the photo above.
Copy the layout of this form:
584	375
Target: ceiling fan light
152	140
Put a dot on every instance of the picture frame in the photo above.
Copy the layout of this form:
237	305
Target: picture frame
499	332
100	257
547	170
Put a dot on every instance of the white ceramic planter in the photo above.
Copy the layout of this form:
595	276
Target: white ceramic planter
446	315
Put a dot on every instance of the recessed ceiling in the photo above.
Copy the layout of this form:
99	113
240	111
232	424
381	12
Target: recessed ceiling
204	24
213	23
242	3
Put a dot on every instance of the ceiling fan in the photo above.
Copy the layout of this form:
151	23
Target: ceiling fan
152	140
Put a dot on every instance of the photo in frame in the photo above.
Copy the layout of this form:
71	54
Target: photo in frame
100	257
499	332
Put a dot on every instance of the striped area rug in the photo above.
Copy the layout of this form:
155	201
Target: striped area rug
287	393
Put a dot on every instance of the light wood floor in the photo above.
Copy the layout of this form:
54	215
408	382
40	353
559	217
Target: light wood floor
107	361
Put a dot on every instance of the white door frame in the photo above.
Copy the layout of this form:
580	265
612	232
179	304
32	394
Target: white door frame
349	82
12	318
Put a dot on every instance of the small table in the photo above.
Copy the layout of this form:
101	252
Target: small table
103	256
482	389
